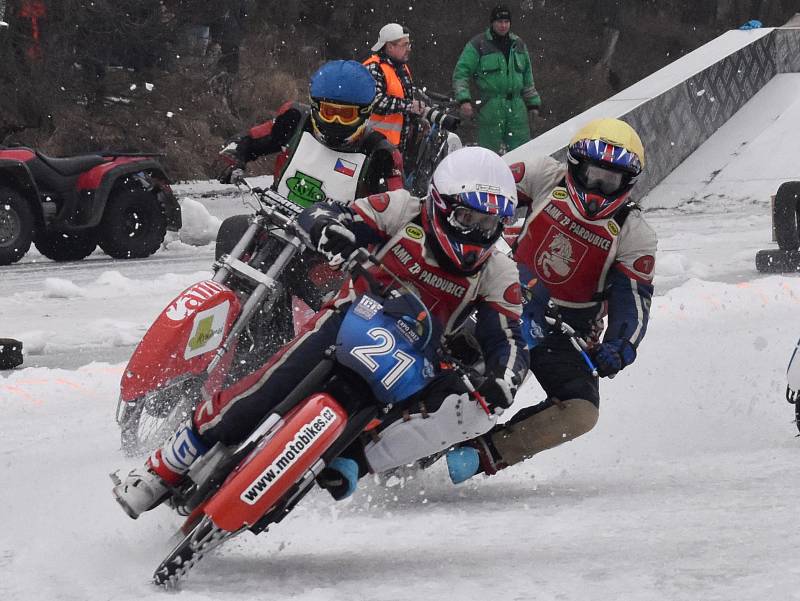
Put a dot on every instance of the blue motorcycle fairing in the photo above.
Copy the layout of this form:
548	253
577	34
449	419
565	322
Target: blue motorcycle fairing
390	350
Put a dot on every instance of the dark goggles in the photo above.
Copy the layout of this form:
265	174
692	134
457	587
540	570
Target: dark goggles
594	177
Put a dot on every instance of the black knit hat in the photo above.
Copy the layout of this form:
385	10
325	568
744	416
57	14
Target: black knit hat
500	12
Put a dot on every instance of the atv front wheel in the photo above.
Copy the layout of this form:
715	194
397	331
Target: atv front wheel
16	226
66	247
133	224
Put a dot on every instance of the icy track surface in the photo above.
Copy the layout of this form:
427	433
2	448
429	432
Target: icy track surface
687	489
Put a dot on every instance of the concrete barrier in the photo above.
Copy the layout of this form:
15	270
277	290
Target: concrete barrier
679	107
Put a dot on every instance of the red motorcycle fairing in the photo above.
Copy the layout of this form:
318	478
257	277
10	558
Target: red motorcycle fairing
277	463
182	339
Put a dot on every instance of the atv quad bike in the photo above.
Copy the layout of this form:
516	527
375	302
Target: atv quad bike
67	206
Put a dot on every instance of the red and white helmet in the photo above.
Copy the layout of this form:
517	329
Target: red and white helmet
471	198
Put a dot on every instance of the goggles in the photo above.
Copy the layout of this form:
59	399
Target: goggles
606	181
468	220
346	114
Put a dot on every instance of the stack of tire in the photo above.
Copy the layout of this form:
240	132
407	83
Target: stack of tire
785	217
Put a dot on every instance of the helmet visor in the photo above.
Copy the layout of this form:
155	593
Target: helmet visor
468	221
346	114
597	178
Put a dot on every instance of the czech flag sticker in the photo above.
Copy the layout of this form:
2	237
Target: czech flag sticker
345	167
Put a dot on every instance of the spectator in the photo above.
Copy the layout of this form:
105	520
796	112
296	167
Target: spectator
499	63
394	98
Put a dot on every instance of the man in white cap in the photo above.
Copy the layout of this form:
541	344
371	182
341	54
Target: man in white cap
394	98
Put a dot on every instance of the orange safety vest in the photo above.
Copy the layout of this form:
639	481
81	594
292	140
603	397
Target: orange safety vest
390	125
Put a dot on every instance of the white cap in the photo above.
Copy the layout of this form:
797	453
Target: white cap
391	32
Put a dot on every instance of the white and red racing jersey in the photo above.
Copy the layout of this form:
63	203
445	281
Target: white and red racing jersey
589	266
392	224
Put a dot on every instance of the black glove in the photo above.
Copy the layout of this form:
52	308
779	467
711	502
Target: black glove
232	173
499	392
612	356
334	241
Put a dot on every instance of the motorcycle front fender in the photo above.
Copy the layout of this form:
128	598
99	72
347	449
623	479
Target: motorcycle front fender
182	339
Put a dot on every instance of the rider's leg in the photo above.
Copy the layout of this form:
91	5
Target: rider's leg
571	409
146	487
231	414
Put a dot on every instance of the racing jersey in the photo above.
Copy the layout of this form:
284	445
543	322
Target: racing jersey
392	223
589	268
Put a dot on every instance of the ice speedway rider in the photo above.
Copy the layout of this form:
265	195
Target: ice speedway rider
442	246
325	151
586	247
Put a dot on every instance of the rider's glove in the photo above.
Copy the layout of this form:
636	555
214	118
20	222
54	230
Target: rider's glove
499	391
612	356
233	171
335	242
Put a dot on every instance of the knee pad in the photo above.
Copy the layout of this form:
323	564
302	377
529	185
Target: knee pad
459	418
555	424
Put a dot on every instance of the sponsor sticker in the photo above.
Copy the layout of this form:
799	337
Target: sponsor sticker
304	189
293	450
518	170
513	294
645	264
560	194
414	231
492	189
379	202
188	302
367	307
613	228
207	330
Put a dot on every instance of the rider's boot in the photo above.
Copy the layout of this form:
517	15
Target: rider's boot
148	486
473	457
340	477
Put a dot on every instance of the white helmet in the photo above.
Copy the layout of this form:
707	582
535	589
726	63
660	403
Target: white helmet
471	197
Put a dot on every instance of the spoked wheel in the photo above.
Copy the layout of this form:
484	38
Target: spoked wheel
204	537
148	421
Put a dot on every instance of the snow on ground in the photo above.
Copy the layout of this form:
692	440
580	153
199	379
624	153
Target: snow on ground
686	489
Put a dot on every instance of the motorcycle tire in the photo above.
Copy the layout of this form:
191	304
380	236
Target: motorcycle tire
133	224
16	226
66	247
785	215
229	233
147	422
204	537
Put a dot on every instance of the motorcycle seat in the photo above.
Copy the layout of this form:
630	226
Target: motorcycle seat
72	165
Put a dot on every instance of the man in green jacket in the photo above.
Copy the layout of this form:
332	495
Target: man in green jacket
501	67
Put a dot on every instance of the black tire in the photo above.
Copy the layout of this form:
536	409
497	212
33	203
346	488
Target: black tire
785	215
133	224
147	422
230	232
66	247
10	353
16	226
204	537
778	261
